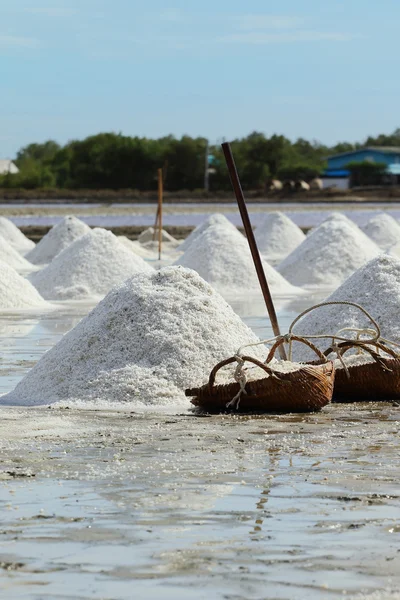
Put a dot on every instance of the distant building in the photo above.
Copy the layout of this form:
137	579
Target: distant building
337	175
7	166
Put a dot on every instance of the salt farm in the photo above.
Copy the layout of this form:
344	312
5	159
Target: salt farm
112	486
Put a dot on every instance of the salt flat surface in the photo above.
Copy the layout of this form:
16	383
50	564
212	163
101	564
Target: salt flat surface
177	506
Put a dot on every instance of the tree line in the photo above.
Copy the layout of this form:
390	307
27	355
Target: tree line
115	161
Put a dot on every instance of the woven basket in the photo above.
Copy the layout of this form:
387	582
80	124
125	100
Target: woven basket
374	381
308	389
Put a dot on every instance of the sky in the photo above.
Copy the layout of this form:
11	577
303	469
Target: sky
215	68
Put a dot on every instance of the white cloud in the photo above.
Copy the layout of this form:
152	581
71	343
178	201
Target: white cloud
12	41
53	11
259	38
172	15
253	22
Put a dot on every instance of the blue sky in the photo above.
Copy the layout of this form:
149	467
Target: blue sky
217	68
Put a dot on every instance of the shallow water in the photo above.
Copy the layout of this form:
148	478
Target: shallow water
103	215
106	505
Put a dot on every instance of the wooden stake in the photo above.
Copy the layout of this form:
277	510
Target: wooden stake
252	242
160	215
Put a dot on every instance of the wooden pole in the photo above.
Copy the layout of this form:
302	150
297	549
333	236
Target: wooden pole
252	242
160	215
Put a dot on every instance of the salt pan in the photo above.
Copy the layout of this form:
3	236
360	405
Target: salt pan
384	230
14	236
276	236
16	292
135	247
328	255
222	257
376	287
216	219
57	239
13	258
89	267
150	338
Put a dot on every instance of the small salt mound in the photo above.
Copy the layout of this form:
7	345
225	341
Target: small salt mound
276	236
328	255
16	292
384	230
376	287
135	247
14	236
149	339
222	257
89	267
57	239
13	258
216	219
148	236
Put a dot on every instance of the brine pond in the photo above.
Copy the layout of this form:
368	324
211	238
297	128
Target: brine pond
120	505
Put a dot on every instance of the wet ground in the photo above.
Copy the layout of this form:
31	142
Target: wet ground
115	506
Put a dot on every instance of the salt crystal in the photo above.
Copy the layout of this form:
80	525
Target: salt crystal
14	236
222	257
384	230
13	258
151	337
87	268
276	236
328	255
376	287
57	239
216	219
16	292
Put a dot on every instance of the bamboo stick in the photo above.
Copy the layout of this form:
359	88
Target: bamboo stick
160	214
252	242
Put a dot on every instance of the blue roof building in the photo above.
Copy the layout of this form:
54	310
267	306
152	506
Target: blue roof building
338	162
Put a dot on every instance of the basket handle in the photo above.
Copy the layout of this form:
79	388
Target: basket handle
295	338
232	359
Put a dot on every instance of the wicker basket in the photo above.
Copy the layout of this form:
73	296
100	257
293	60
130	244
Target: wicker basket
308	389
374	381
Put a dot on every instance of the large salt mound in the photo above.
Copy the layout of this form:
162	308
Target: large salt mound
13	258
16	292
216	219
14	236
57	239
376	287
328	255
384	230
89	267
276	236
135	247
149	339
222	257
148	236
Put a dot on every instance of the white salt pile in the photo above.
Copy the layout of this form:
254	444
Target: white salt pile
376	287
276	236
135	247
148	236
222	257
328	255
89	267
149	339
57	239
384	230
216	219
14	236
16	292
13	258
